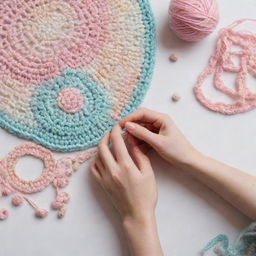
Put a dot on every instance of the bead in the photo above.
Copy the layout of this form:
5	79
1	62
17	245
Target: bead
17	200
176	97
63	197
173	57
41	213
61	181
4	214
62	212
56	205
6	191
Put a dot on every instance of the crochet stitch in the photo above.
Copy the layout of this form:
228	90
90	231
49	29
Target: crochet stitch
223	61
69	70
55	173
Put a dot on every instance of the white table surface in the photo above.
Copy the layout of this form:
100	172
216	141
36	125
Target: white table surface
188	213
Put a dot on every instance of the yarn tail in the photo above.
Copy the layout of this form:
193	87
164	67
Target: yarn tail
220	245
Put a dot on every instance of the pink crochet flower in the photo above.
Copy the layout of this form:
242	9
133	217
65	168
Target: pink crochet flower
64	167
61	199
61	181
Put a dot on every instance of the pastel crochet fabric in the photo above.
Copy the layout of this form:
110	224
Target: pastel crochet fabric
245	245
70	69
233	44
56	173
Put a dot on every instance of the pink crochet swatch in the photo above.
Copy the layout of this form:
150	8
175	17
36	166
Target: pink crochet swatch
221	62
55	173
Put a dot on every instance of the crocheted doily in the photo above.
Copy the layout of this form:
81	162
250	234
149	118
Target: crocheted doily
70	69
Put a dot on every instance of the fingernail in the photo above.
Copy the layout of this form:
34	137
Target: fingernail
129	126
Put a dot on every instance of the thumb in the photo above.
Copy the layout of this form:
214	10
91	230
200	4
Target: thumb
142	133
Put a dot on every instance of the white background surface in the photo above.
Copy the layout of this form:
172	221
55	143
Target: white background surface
188	213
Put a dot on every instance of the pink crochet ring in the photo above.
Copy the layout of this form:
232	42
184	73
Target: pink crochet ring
221	62
40	183
55	173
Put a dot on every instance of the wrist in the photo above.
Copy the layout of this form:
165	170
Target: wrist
194	161
139	221
142	236
191	160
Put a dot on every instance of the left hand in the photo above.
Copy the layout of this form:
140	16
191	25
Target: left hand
126	175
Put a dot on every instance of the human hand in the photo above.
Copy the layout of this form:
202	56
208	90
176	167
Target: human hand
128	179
160	132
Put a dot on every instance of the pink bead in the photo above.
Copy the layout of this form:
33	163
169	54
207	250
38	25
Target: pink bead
17	200
57	205
41	213
61	182
6	191
63	197
4	214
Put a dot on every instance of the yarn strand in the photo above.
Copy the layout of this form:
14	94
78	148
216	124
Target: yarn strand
243	98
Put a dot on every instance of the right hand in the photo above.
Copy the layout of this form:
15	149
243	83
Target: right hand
160	132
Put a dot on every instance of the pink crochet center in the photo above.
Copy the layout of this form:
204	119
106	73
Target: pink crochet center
244	98
30	186
70	100
55	173
37	45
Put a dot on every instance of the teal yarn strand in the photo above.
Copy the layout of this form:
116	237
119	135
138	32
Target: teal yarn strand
149	60
245	245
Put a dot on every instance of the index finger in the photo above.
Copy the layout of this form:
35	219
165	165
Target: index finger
144	115
119	146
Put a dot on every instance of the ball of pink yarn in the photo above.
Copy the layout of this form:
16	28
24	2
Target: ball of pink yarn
193	20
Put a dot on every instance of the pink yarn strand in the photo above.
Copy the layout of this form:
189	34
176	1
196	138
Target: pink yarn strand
221	62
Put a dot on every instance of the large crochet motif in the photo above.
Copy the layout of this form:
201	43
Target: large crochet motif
70	69
56	173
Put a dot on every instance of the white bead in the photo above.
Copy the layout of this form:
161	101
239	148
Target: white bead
176	97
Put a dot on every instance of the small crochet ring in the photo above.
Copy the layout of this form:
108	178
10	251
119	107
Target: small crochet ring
70	100
39	183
